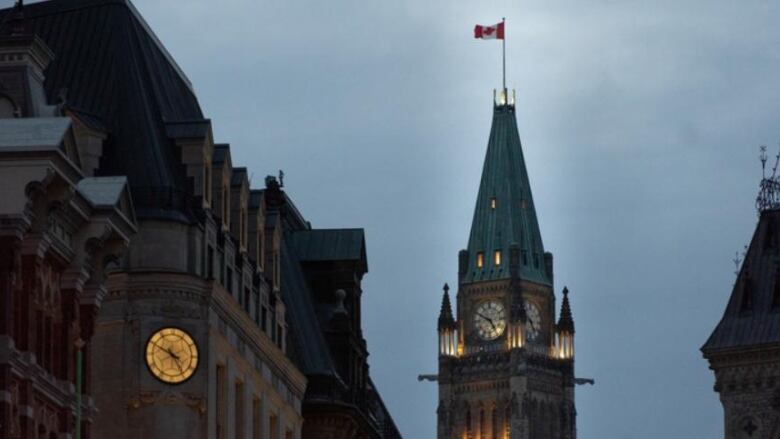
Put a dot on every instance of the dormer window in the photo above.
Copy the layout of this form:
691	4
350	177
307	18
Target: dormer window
493	203
480	260
497	258
7	108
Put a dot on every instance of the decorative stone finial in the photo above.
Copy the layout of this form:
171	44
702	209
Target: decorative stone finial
340	296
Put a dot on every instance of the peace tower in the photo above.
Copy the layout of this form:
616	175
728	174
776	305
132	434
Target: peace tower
506	368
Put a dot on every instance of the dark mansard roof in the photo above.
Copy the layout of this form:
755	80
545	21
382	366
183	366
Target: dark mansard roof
752	315
114	69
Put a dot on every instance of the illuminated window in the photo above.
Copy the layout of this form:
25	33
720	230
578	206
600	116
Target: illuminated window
493	203
480	260
497	257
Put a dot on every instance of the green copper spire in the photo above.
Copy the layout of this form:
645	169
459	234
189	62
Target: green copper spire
505	215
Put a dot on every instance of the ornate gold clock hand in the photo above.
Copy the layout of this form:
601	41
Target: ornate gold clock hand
170	352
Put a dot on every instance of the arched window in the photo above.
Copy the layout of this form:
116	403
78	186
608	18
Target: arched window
482	426
495	428
507	421
7	108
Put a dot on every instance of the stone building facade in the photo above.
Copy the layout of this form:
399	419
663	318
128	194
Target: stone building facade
61	229
322	270
744	349
506	367
152	259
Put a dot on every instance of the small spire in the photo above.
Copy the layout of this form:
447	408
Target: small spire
445	315
565	321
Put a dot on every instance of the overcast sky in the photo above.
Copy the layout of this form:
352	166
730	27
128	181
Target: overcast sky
640	123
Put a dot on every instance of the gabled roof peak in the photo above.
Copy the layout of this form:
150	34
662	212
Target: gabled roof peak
752	316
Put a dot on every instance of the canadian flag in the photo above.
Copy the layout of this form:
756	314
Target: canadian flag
495	32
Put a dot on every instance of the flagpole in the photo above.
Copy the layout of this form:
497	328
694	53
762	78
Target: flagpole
503	57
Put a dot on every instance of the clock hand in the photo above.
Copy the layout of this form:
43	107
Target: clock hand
178	366
484	317
488	320
170	352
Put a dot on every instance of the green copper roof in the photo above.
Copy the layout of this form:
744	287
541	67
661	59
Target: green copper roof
511	218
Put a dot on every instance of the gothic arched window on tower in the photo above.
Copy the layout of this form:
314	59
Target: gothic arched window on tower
497	258
482	427
480	260
494	428
468	424
493	202
507	413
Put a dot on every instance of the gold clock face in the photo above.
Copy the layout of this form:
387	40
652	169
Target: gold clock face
490	319
171	355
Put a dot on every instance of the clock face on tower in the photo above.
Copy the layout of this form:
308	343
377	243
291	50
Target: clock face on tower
533	325
171	355
490	319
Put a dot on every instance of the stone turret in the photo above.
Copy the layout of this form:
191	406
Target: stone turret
565	329
448	339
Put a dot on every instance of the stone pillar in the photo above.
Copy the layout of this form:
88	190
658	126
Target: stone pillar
265	416
31	286
282	424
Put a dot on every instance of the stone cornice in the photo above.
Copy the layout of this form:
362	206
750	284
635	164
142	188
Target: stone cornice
228	309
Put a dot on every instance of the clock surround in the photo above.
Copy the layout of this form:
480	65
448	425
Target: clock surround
171	355
489	319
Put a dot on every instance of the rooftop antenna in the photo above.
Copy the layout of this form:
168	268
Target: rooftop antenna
769	190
